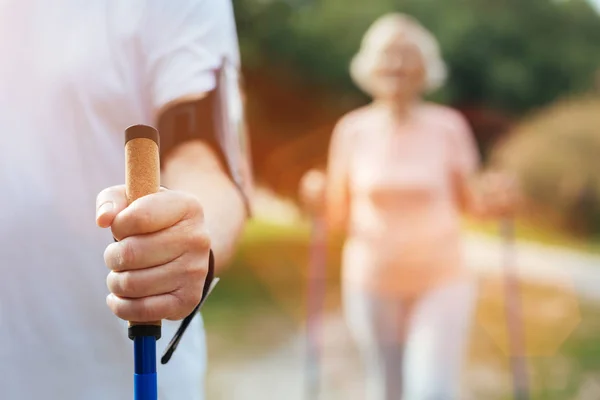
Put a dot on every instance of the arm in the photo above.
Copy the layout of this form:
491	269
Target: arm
186	46
195	167
482	195
337	195
161	260
463	161
489	195
466	196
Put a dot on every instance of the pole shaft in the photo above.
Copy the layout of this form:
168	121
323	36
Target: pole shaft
514	317
315	300
145	382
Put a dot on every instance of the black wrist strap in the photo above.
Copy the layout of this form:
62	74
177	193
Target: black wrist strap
187	320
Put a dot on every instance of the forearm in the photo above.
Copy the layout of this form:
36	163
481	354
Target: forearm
193	167
336	218
468	201
337	203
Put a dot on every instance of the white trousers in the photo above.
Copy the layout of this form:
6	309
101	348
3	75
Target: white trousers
412	351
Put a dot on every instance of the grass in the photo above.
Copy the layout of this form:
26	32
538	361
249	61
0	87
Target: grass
562	343
261	301
531	232
264	283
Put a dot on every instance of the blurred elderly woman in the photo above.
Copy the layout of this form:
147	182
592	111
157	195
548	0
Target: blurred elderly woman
400	171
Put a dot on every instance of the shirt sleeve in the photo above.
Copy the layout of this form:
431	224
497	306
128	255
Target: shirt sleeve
184	42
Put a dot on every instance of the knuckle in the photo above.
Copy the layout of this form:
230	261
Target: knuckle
127	284
195	209
175	306
121	311
193	275
119	255
188	302
138	216
199	239
109	256
142	218
110	283
138	310
195	235
182	305
126	255
145	312
118	308
196	277
195	299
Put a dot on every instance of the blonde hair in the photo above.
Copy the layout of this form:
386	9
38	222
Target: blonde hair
363	63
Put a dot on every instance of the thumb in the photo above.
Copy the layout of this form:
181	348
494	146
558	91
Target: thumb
109	203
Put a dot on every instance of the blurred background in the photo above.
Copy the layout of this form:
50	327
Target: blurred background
526	75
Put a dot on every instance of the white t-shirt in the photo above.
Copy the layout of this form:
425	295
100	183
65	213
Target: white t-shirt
73	75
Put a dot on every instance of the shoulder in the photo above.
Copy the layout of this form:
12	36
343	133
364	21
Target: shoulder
209	24
344	136
204	10
348	127
354	121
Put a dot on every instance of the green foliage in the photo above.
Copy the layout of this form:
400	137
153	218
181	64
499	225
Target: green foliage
512	54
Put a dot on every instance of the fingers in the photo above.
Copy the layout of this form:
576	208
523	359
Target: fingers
154	249
149	272
146	282
109	203
159	264
154	308
501	193
169	291
185	272
155	212
142	310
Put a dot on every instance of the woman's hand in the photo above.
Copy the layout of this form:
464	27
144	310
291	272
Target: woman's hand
499	194
312	191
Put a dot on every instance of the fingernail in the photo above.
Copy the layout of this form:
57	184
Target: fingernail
104	208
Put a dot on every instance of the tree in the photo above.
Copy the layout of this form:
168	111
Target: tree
510	54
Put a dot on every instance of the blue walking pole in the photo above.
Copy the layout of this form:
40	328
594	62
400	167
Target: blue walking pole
142	177
144	374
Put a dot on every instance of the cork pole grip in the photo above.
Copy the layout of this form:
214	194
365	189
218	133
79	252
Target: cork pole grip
142	169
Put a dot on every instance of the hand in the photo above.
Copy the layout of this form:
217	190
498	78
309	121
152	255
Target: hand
160	262
312	190
500	194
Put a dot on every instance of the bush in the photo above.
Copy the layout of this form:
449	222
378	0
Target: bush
556	155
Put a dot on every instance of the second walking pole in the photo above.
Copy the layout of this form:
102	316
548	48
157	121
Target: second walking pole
514	314
315	303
